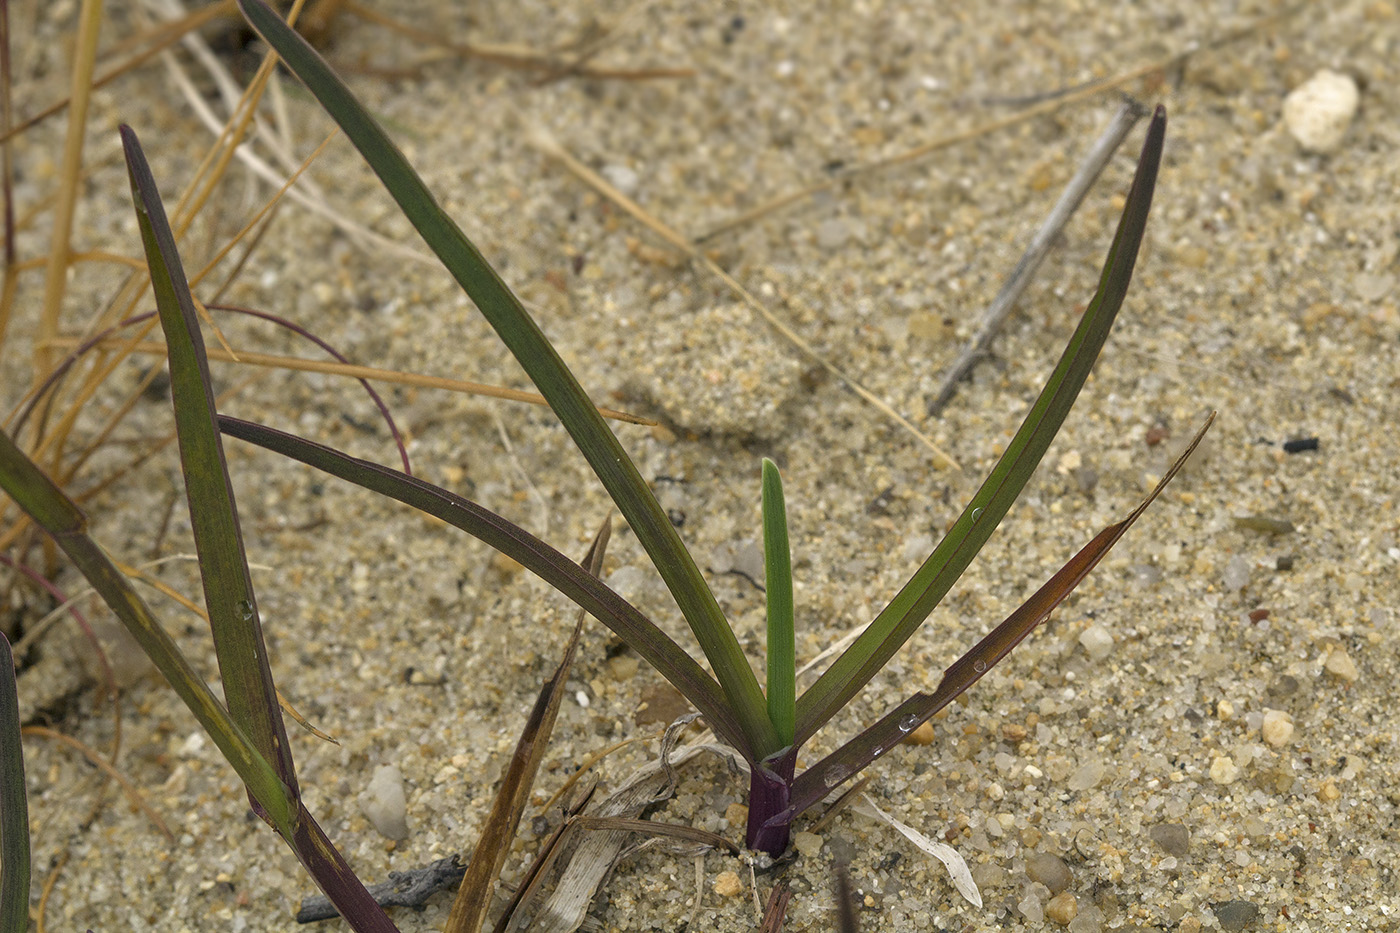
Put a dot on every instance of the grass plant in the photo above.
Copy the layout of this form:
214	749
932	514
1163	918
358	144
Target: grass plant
766	724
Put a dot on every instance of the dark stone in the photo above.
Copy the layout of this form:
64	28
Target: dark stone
1236	915
1049	870
1174	838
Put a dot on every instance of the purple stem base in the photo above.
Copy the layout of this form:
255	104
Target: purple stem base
770	797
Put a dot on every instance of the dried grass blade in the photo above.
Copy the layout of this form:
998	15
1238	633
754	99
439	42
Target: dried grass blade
846	916
653	828
958	871
484	870
775	911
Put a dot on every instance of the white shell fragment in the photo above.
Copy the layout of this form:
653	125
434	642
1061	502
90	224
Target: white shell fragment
1318	111
384	803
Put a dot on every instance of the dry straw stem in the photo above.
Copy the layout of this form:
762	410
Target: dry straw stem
70	176
102	764
549	146
350	370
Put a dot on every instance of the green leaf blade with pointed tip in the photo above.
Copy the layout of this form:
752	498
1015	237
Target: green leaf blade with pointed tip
539	558
528	344
44	502
782	638
931	582
228	586
14	805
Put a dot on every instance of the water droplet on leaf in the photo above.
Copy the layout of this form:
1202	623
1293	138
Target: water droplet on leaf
976	514
979	666
837	775
245	610
908	723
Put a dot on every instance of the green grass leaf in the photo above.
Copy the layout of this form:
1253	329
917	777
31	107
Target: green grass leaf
528	344
931	582
43	501
851	758
539	558
14	805
782	645
223	565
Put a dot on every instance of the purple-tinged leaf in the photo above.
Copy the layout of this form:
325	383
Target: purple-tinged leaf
833	770
228	586
869	653
515	542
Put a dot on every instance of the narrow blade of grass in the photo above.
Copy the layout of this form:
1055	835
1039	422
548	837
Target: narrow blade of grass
782	645
528	344
817	781
14	805
228	587
912	605
539	558
484	870
37	495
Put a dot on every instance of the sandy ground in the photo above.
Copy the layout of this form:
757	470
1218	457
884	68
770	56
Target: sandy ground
1137	778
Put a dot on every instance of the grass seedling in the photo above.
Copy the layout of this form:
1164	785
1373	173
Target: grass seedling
768	730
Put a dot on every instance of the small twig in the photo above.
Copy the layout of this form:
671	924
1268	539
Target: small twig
410	888
627	824
776	908
1089	170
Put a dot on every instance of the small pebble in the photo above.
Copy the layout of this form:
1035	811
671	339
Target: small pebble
809	844
1174	838
1277	728
384	803
1236	575
1235	915
1329	792
623	667
736	814
1225	710
1340	665
1049	870
728	884
1031	908
1013	732
1189	925
1087	776
1097	642
1062	908
1223	771
1318	111
922	735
